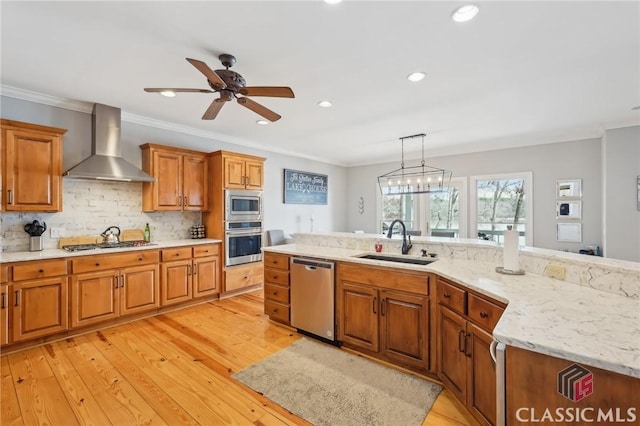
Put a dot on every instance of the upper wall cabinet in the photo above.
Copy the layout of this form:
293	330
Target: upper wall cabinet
240	171
181	179
31	177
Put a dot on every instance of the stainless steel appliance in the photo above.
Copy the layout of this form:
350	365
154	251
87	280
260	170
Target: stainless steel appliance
242	205
243	242
313	297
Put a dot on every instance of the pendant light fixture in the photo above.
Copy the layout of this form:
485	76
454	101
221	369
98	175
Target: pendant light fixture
420	179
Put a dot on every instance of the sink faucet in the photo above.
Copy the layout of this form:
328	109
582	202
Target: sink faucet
406	245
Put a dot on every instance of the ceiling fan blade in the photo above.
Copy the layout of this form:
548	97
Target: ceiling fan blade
208	72
273	91
259	109
213	109
169	89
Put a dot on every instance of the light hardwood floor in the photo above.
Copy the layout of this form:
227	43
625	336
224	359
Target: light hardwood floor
172	369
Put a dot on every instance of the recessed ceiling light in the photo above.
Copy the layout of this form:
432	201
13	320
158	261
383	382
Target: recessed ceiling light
465	13
262	122
416	76
168	93
324	104
332	1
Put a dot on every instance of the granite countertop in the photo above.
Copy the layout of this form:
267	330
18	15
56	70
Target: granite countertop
543	315
23	256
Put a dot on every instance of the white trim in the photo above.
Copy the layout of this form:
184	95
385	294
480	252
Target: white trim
473	205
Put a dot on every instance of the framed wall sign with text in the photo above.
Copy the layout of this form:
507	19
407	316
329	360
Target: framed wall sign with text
304	187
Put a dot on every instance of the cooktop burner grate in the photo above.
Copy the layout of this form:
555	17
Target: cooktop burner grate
122	244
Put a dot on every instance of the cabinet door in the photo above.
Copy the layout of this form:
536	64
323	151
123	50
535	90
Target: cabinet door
39	308
254	174
195	179
4	315
234	173
33	171
452	362
206	276
404	328
94	297
358	310
139	289
175	282
167	169
481	399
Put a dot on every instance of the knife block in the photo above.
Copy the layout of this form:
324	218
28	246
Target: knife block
35	243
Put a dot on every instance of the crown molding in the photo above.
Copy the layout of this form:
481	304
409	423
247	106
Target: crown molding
87	107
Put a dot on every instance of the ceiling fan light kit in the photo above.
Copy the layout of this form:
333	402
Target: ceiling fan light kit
229	84
422	179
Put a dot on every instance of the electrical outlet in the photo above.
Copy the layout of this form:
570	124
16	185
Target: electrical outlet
555	271
57	232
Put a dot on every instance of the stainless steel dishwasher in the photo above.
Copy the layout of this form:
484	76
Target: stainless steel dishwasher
313	297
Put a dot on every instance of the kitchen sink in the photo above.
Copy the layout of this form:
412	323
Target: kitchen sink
412	260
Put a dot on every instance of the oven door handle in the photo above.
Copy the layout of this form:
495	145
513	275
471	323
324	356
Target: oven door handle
243	233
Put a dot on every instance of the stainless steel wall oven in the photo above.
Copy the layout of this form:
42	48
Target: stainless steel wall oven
243	242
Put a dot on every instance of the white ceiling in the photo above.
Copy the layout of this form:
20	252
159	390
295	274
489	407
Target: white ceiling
521	73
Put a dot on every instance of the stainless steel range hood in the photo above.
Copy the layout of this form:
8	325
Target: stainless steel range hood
106	162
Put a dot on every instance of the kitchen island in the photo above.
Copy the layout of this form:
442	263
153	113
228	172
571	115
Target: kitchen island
556	319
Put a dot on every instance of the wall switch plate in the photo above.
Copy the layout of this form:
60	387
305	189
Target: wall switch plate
57	232
555	271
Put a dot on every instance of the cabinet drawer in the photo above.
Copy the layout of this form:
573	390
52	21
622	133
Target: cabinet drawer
114	261
206	250
276	276
452	297
238	277
386	278
177	253
274	260
483	312
31	270
276	311
4	273
276	293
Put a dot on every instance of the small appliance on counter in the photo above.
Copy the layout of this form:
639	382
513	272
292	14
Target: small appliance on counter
35	231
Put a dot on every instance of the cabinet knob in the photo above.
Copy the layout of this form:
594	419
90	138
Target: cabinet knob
177	254
275	277
275	310
483	314
97	263
41	270
246	277
140	258
275	293
447	295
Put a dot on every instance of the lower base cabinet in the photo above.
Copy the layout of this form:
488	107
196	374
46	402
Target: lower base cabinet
242	276
376	315
105	295
39	308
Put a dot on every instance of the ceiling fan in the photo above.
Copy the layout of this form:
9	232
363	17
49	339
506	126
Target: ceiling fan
230	84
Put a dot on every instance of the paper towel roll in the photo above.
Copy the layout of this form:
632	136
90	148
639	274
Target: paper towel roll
510	254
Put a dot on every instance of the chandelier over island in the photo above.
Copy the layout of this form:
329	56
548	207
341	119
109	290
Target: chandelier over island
420	179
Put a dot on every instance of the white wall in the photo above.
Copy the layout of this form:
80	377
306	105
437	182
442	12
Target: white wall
549	162
89	205
621	218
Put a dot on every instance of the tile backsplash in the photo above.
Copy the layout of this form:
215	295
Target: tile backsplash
89	207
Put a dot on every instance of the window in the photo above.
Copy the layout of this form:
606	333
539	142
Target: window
438	212
499	201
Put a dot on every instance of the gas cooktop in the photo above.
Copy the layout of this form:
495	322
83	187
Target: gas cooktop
122	244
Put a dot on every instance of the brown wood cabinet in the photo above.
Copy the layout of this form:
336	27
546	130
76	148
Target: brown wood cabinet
385	312
181	179
189	272
465	366
39	307
276	287
243	276
31	166
242	172
104	287
590	395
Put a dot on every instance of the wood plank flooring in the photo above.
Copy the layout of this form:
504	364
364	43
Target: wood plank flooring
173	369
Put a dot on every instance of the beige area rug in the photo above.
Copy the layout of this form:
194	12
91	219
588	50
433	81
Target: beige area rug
328	386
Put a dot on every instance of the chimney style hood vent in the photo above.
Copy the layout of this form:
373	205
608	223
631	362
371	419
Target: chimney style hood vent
106	162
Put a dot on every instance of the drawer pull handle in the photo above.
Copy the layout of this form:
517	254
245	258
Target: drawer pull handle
447	295
462	342
41	270
375	303
4	300
468	353
275	310
483	314
97	263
